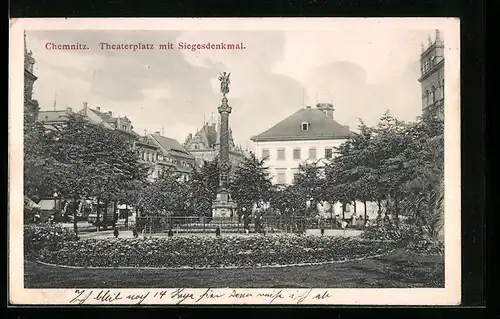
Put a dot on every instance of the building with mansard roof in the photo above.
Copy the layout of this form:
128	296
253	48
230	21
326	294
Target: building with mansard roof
432	76
204	145
308	135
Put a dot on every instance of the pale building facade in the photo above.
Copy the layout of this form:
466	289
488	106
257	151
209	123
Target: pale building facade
204	145
310	135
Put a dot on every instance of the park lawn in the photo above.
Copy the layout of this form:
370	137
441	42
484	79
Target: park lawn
397	270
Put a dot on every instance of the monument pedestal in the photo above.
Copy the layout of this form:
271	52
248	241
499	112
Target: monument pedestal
223	207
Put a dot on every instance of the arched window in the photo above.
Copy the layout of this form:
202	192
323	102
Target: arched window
433	95
426	98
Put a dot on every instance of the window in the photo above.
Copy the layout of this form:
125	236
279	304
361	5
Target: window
312	153
296	154
144	156
281	154
304	126
281	176
265	153
328	152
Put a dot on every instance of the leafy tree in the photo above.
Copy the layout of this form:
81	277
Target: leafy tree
164	196
251	184
37	161
309	181
202	188
84	160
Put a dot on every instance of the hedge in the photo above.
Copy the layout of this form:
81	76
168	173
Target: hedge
409	236
38	237
201	252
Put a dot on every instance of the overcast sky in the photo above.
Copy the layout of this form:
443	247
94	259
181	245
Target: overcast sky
362	73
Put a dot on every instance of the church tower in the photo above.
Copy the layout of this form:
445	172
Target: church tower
432	76
30	106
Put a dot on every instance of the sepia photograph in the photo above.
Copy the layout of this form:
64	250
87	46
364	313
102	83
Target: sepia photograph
228	161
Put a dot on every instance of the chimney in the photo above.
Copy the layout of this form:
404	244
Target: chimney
110	113
98	108
308	107
326	108
70	110
85	105
157	133
346	126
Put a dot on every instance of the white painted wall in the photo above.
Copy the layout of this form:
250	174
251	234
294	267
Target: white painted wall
289	164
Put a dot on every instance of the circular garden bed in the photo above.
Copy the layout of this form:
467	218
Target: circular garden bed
210	252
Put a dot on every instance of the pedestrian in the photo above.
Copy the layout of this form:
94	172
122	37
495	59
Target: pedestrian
322	229
344	225
115	232
217	231
134	232
170	232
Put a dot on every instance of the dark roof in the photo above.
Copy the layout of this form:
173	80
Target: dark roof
104	116
53	116
210	133
321	127
172	145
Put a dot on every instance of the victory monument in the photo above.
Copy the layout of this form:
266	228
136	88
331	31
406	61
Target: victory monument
223	206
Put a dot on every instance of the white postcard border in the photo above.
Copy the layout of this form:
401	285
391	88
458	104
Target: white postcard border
450	295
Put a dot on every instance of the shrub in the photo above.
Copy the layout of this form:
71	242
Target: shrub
29	214
224	251
426	246
410	236
38	237
405	233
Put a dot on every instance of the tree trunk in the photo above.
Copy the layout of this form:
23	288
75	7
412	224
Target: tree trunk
98	212
105	215
355	211
115	214
366	213
126	215
396	211
343	211
75	221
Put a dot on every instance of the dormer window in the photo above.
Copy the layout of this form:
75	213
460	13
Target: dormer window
304	126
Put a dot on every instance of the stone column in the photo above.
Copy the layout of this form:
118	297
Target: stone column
223	206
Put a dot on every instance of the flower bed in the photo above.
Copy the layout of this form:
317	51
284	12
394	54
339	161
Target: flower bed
38	237
410	236
201	252
426	247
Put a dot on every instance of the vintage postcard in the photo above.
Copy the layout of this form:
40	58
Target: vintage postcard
234	161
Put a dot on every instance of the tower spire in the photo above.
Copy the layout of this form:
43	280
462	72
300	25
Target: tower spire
422	47
25	46
429	39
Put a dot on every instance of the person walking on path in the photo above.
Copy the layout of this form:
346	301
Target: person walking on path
344	225
115	232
